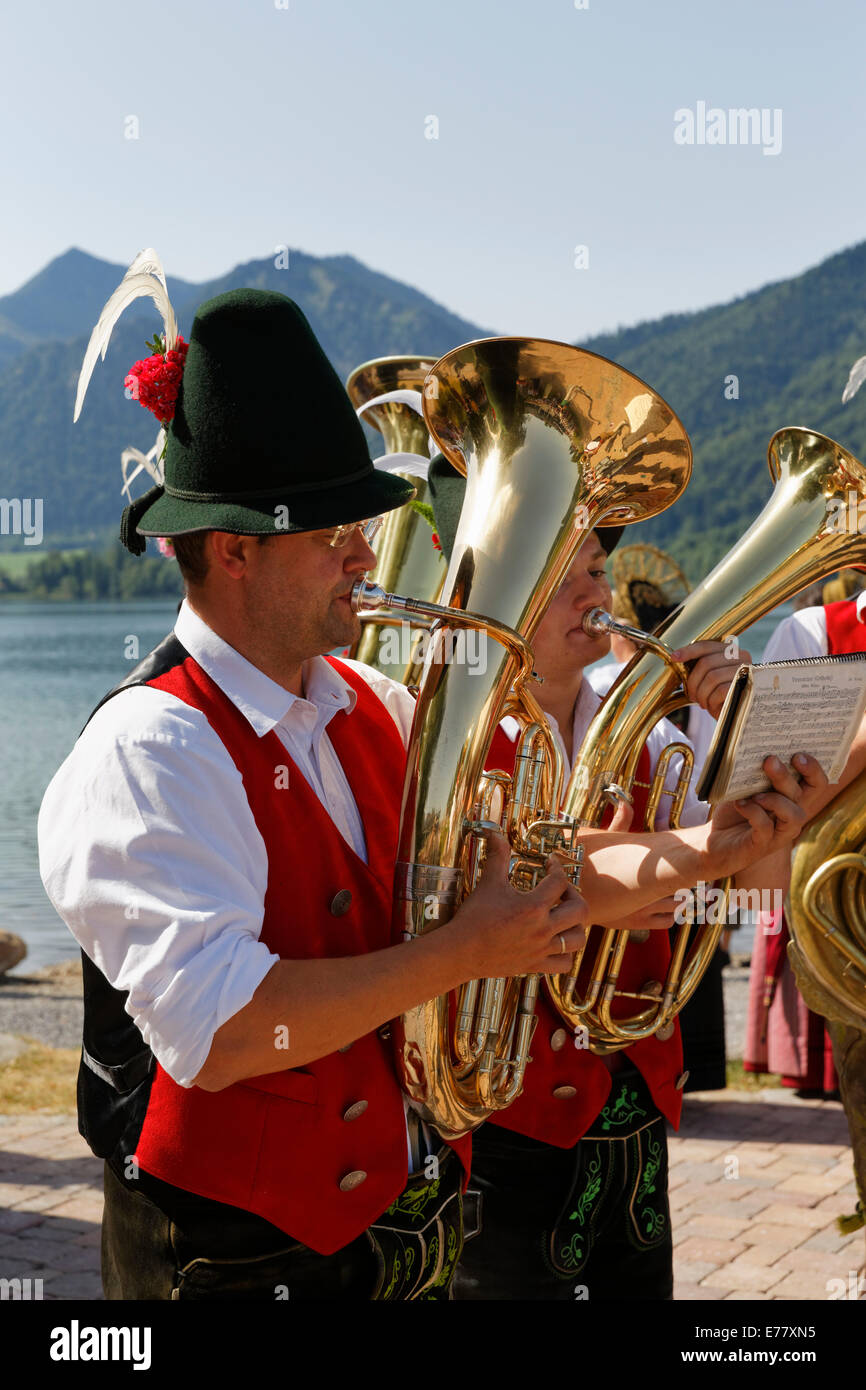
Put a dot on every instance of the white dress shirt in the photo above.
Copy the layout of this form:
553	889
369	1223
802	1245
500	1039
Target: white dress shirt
663	733
805	634
149	851
601	678
699	733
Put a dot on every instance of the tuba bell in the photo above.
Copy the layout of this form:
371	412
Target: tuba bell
794	542
826	909
406	559
553	441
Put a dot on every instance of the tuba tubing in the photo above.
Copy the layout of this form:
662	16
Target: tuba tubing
553	441
826	908
793	543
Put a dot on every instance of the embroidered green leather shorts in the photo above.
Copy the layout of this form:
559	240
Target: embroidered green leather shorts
419	1239
591	1222
159	1242
620	1179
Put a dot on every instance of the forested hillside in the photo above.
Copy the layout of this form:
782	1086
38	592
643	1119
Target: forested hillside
735	373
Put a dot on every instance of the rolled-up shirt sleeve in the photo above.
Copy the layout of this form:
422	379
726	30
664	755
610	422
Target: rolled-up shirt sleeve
149	852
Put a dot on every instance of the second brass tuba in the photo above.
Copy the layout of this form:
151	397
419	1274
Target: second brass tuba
553	441
793	543
406	559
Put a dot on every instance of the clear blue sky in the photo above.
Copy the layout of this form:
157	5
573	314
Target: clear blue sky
261	126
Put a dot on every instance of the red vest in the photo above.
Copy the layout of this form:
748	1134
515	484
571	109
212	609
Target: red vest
562	1119
845	631
280	1145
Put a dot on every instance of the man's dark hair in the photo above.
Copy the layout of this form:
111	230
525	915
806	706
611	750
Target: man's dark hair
191	557
190	552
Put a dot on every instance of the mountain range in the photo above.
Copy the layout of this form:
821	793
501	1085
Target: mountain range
44	328
734	373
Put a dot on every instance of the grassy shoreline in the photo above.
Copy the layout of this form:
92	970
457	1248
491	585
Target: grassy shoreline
85	574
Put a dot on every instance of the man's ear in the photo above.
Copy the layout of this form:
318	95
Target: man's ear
231	552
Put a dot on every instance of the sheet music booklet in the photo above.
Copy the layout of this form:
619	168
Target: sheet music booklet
813	706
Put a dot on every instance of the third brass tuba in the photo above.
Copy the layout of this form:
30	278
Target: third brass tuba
826	908
794	542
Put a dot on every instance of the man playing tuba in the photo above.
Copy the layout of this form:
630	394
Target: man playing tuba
221	841
570	1182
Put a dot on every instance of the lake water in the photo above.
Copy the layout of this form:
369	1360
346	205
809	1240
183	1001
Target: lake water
57	660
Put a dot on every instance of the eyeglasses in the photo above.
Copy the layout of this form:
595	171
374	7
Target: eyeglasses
343	534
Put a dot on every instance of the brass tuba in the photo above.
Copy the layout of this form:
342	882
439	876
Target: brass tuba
794	542
826	909
553	441
406	559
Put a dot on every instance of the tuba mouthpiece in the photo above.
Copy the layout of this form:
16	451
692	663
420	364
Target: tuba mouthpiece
366	596
596	622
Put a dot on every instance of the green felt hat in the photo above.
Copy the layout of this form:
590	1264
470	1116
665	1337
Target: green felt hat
447	490
264	439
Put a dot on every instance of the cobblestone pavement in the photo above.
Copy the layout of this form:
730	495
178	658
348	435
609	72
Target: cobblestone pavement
757	1180
50	1206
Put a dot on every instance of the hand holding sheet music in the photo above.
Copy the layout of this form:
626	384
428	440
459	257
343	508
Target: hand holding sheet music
785	707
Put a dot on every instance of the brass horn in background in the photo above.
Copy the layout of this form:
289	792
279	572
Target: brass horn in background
795	541
553	441
406	559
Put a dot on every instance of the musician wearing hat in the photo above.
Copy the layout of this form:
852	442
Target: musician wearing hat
222	839
647	586
221	842
569	1184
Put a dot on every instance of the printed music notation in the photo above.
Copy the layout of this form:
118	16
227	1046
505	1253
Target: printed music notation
784	707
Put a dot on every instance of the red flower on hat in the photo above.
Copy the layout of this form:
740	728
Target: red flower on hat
437	544
155	380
